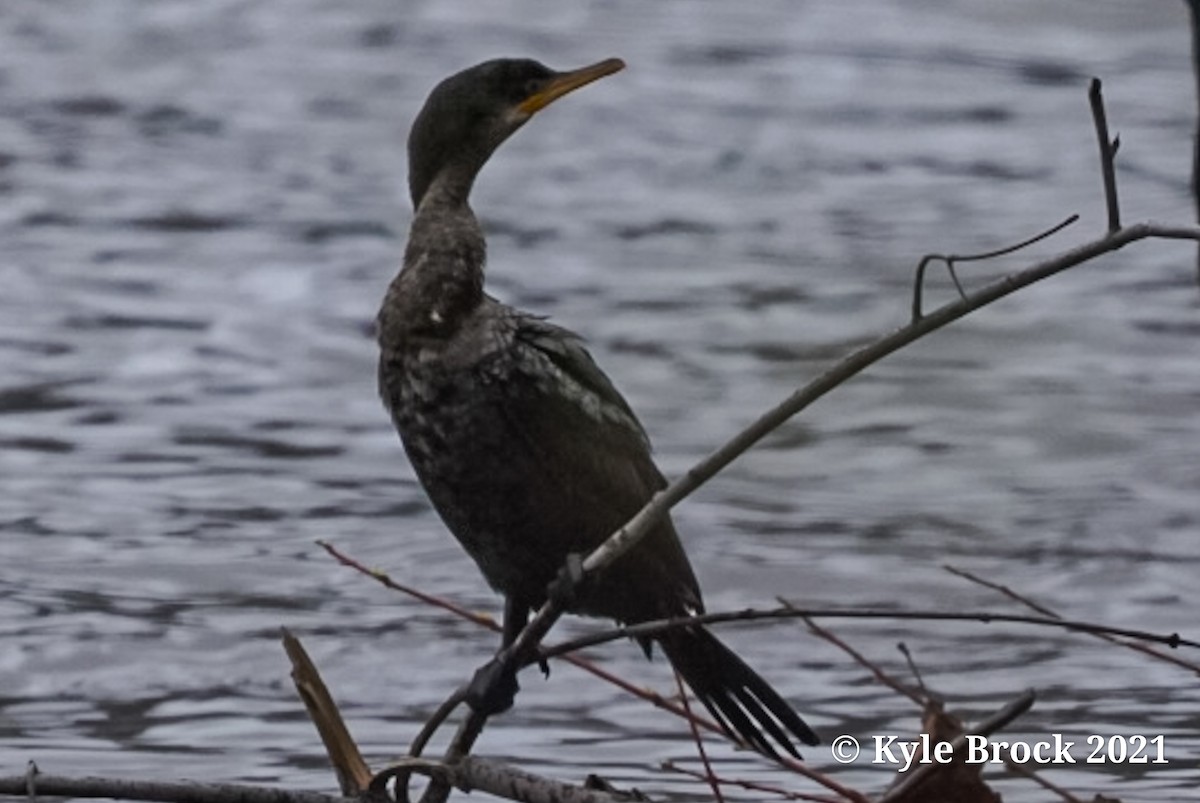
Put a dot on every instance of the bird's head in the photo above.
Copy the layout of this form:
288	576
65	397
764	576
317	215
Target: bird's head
470	113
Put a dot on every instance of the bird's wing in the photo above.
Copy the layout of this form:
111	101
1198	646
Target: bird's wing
565	350
593	463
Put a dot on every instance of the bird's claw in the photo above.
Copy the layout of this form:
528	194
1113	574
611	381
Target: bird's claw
493	688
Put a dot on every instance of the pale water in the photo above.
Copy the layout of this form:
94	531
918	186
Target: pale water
204	201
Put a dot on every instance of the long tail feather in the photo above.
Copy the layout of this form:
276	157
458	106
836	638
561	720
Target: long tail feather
743	703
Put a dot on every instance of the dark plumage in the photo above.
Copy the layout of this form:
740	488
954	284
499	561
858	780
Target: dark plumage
524	446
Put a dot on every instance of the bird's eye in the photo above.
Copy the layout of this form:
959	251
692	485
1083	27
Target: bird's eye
533	86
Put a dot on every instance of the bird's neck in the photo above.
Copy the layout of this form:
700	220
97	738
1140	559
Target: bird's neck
441	282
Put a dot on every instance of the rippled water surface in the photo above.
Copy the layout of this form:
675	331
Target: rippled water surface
202	203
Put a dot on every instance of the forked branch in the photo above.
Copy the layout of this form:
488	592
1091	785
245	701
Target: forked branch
951	259
525	648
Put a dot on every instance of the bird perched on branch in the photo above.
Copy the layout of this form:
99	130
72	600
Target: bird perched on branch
527	451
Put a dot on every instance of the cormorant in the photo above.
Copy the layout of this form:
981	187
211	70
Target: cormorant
527	451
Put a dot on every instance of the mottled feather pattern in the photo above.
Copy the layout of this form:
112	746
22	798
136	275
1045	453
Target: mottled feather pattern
526	449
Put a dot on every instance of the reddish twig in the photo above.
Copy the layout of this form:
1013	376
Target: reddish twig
483	620
709	776
863	661
570	655
1042	609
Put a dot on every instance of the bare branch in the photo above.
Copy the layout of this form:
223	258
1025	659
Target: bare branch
430	599
658	626
159	791
523	650
434	722
501	780
464	739
353	774
952	259
1108	154
486	621
1194	19
912	667
1042	609
626	537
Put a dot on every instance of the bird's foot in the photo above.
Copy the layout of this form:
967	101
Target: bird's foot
564	589
493	688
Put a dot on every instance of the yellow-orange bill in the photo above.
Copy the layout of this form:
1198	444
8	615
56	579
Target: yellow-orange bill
565	82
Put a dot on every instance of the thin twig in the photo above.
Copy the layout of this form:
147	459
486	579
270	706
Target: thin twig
657	627
800	768
570	655
863	661
1194	19
1042	609
989	726
1108	153
912	667
754	786
951	259
1025	772
483	620
468	732
625	538
439	716
490	623
709	775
